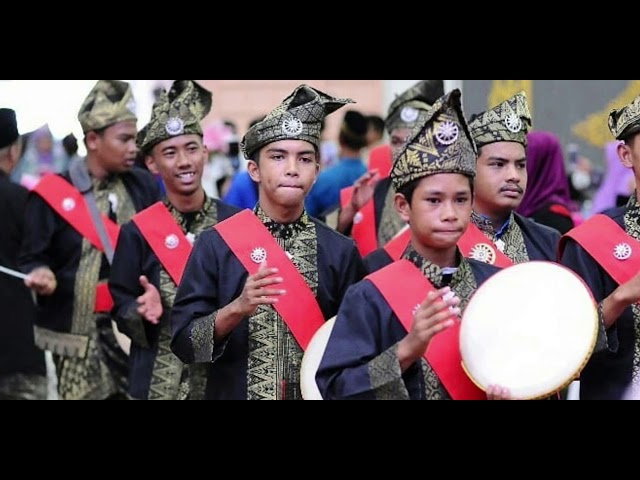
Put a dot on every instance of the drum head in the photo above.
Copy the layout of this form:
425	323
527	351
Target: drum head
530	328
311	361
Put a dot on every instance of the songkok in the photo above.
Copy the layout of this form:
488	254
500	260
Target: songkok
298	117
439	143
109	102
626	121
8	127
178	112
510	121
405	109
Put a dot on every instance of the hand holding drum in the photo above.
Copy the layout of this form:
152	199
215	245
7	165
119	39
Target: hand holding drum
530	328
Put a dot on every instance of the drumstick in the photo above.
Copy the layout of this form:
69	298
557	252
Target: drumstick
13	273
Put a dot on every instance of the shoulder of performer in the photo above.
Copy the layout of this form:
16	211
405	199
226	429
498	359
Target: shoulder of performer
536	227
12	192
37	202
212	237
225	210
65	175
129	230
377	260
364	288
617	213
482	270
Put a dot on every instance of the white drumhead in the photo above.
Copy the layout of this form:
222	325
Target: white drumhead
311	361
529	328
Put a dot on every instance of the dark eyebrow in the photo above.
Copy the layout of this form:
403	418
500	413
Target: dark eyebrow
280	150
440	193
500	159
192	143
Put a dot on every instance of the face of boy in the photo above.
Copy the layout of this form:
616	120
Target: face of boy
439	211
180	162
286	171
501	181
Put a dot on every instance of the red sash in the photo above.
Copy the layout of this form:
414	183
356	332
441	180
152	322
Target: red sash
397	246
248	238
69	203
104	301
474	241
165	238
381	158
364	223
443	353
603	248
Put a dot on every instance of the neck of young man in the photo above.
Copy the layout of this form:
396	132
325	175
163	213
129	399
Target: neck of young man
192	202
497	217
443	258
280	213
95	169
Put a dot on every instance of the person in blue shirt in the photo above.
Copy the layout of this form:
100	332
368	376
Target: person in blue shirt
325	195
243	192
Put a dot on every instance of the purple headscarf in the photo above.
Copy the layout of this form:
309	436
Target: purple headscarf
548	181
616	181
45	159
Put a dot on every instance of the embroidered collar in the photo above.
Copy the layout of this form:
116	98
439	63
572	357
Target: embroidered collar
439	277
485	225
632	217
282	231
187	220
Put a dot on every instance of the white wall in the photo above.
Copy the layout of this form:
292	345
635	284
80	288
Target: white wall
52	102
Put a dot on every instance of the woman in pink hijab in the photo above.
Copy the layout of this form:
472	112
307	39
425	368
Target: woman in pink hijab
547	199
617	185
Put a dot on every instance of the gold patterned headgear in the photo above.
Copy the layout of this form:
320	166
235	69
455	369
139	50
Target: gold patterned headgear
178	112
625	121
510	121
109	102
439	143
298	117
405	109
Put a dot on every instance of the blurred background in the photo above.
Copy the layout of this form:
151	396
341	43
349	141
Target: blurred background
574	110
